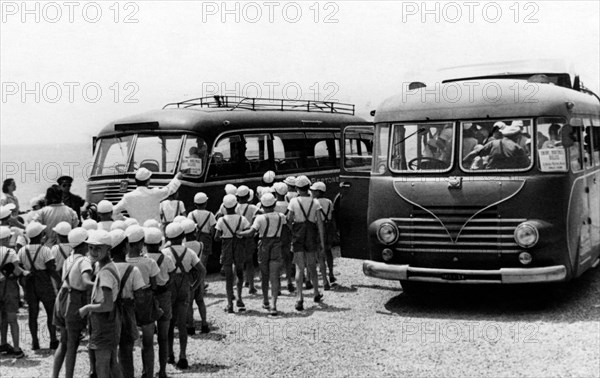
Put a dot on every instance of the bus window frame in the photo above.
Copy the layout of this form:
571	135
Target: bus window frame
176	167
180	158
533	140
393	126
343	164
587	125
376	139
577	129
558	120
596	138
129	153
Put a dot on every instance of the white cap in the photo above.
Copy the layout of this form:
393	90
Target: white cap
117	237
118	225
99	237
290	180
230	201
250	195
134	233
89	224
230	189
152	235
143	174
281	188
179	219
34	229
500	125
5	232
269	177
242	191
6	210
77	236
173	230
517	123
188	226
200	198
105	206
267	200
151	223
63	228
319	185
130	222
302	181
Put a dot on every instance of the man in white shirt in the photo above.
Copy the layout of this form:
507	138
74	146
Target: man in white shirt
144	203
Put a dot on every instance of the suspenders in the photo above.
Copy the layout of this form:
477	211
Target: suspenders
179	259
200	228
124	280
160	260
265	234
31	262
306	213
62	252
236	227
326	214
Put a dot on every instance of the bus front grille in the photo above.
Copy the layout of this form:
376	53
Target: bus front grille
457	230
109	191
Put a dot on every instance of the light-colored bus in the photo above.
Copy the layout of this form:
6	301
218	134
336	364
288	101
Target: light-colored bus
447	204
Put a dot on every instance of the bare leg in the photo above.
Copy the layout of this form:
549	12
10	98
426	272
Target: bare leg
148	349
61	351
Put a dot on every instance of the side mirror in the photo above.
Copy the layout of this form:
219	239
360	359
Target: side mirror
567	136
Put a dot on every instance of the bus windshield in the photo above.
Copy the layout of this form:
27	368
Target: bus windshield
496	145
422	147
157	153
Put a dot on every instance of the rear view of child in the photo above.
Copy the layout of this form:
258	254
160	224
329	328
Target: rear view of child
268	226
205	222
233	255
39	260
189	229
62	250
9	295
318	190
171	208
248	211
307	231
281	206
153	239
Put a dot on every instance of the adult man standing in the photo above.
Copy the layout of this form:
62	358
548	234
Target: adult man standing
144	203
72	200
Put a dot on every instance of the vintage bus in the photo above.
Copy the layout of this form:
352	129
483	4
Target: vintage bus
447	204
219	140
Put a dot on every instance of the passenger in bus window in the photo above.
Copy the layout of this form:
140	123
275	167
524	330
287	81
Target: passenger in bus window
553	140
502	153
469	141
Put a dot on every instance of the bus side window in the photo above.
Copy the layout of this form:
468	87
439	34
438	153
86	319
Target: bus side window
256	151
587	147
226	157
194	156
575	151
358	150
290	151
321	151
596	139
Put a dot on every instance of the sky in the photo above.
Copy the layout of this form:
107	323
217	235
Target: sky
69	68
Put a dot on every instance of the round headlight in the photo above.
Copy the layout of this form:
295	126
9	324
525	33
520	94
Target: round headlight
526	235
525	258
387	233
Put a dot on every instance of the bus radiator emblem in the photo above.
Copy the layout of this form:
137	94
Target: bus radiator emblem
123	186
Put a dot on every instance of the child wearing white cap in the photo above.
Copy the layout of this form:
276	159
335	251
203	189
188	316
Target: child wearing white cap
189	229
105	212
268	226
39	260
185	278
62	249
9	295
131	282
170	208
205	222
325	257
90	225
233	255
146	313
281	206
104	307
76	280
267	182
153	239
306	219
290	181
248	211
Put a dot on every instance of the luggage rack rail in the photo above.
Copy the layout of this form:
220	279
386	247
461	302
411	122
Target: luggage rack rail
250	103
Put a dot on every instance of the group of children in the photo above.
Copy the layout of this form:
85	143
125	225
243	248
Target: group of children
116	278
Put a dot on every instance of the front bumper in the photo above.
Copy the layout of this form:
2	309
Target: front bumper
462	276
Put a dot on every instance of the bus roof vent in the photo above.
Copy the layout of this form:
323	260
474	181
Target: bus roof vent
262	104
416	85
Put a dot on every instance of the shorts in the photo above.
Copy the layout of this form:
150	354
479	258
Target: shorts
164	302
180	288
233	252
269	249
330	232
305	237
105	330
39	287
207	240
308	258
129	330
249	248
9	295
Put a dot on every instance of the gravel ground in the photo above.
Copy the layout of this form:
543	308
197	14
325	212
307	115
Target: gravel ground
368	327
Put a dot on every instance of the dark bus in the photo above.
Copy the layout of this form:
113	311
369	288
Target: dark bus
447	204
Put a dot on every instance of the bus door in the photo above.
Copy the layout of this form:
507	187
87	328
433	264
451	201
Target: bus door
591	147
357	154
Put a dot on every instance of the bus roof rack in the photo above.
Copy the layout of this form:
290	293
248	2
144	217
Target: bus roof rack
251	103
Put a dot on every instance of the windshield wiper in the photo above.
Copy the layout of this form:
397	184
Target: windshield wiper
419	131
